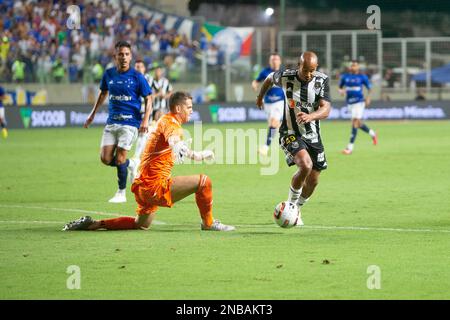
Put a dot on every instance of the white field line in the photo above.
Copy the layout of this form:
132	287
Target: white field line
352	228
63	210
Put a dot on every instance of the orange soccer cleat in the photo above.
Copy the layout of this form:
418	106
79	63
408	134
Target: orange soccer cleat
375	139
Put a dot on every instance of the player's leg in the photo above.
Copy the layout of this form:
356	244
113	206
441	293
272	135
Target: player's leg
107	155
308	188
304	165
356	116
140	144
369	131
201	185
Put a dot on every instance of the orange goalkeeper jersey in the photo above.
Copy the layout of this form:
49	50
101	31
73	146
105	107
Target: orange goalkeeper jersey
156	159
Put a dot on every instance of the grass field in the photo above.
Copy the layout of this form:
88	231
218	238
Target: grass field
387	206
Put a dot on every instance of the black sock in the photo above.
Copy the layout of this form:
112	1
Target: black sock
353	135
122	174
365	128
270	134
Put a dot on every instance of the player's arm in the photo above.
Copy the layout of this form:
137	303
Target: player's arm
148	111
270	80
342	86
181	150
323	111
369	90
100	99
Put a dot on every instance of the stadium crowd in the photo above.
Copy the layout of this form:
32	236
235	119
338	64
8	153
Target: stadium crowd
38	46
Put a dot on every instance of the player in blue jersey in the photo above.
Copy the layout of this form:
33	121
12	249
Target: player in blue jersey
123	86
352	84
2	113
273	100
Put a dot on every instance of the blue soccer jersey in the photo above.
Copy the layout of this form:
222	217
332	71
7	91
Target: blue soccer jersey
275	93
125	90
353	84
2	92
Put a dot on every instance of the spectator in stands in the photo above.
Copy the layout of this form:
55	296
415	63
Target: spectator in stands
18	70
37	29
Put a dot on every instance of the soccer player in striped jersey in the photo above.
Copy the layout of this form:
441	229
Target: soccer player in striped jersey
307	102
154	186
162	89
273	100
353	83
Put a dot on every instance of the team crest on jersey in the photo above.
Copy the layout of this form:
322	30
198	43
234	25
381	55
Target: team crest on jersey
317	86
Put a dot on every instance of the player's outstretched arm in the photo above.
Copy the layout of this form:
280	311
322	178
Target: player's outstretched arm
100	99
181	150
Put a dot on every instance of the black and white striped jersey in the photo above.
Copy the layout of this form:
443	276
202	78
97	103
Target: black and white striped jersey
301	97
160	85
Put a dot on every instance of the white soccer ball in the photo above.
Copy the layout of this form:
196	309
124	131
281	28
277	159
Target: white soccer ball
286	214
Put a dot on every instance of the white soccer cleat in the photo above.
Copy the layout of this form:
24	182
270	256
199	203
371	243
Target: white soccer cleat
133	167
119	197
264	150
217	226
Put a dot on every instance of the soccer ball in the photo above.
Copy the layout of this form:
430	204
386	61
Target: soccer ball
286	214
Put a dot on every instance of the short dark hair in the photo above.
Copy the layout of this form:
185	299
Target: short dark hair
139	61
355	61
122	43
274	53
178	98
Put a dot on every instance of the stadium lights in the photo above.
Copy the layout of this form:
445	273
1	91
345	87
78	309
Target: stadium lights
269	12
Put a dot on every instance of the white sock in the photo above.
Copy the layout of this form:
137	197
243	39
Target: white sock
140	144
372	133
122	191
301	201
350	146
294	194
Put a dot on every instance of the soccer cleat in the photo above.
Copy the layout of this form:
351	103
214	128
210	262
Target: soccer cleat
264	150
375	139
347	151
217	226
133	169
5	133
119	197
81	224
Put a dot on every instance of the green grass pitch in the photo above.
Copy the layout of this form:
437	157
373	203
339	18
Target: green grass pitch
386	206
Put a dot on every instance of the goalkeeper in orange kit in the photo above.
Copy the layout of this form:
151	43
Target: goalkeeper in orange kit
154	186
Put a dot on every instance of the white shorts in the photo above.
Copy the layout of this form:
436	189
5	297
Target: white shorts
274	110
2	113
357	109
119	135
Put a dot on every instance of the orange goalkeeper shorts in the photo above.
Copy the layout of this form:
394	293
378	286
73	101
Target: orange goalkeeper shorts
150	196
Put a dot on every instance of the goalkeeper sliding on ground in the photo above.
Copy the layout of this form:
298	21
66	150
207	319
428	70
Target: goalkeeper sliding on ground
154	186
